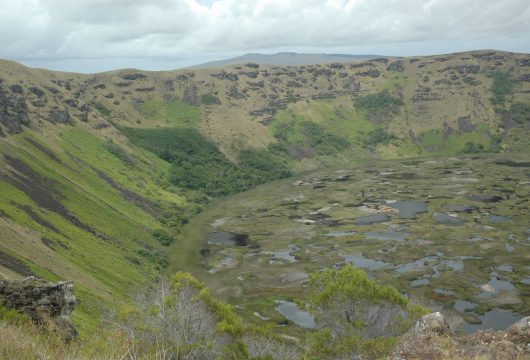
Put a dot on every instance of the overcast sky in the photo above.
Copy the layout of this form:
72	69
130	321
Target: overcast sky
98	35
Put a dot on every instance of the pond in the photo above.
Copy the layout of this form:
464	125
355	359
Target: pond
372	219
387	236
358	260
340	233
442	218
498	219
291	312
227	238
496	319
408	209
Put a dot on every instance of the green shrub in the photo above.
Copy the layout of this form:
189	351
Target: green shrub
381	101
472	148
377	136
356	315
163	237
155	257
324	142
501	87
209	99
263	164
520	112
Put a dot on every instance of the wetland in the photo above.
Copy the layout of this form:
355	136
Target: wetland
452	234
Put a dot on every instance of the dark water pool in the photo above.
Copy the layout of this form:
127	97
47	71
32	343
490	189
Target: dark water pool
227	238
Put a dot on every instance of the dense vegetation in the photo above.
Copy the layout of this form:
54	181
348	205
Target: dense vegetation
378	107
180	319
520	112
309	137
501	87
199	165
377	136
209	99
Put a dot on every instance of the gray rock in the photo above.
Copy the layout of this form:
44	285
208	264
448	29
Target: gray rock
430	324
58	116
44	302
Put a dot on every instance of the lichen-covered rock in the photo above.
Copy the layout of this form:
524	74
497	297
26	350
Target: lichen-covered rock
59	116
467	68
191	95
431	338
396	66
418	342
13	111
44	302
521	331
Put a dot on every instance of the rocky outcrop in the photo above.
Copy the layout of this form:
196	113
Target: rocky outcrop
431	338
59	116
44	302
13	111
396	66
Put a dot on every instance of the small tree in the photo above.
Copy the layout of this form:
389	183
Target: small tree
180	320
356	315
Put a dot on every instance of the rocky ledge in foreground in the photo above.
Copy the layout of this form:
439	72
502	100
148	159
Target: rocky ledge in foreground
431	338
44	302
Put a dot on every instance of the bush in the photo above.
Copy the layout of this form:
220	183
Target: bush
324	142
209	99
263	164
501	86
472	148
381	101
377	136
156	257
356	315
163	237
182	321
520	112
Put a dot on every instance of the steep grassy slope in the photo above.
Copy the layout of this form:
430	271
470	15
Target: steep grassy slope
98	171
72	209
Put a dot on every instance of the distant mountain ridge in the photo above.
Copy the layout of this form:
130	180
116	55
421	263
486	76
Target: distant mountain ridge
287	58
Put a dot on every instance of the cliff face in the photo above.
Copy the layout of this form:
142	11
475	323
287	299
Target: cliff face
44	302
450	93
431	338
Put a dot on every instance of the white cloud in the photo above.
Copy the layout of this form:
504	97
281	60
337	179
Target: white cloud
43	31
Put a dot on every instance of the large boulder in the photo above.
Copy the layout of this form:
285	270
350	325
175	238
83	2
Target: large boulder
422	340
44	302
431	338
